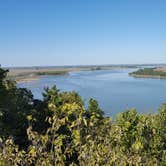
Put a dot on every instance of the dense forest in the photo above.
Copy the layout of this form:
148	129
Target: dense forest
149	72
59	130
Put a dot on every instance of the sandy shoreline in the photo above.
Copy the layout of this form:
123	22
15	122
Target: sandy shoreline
24	80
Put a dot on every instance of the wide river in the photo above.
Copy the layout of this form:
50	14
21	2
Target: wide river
115	90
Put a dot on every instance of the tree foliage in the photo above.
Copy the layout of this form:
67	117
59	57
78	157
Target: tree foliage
149	72
59	130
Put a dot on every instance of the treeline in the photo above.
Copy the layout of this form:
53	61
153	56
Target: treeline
149	72
59	131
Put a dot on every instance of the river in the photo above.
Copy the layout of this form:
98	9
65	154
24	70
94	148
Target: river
115	90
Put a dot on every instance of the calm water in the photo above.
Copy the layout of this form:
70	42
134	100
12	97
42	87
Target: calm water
114	89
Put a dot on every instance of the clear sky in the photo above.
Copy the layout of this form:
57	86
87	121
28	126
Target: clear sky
82	32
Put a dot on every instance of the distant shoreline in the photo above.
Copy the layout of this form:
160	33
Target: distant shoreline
28	76
21	75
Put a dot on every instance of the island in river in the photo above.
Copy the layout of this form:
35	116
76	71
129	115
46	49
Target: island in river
159	72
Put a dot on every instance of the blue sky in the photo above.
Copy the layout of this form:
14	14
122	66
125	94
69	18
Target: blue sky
82	32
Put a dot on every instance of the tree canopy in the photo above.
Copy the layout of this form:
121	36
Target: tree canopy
59	130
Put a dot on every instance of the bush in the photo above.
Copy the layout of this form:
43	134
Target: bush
58	130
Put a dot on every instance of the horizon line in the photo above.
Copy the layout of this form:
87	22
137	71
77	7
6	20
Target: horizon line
84	65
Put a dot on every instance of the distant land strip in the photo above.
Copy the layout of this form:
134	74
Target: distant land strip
26	74
29	75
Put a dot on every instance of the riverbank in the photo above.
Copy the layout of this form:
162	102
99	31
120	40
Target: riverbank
147	76
159	73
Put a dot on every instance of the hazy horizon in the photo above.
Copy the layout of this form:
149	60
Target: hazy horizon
143	64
